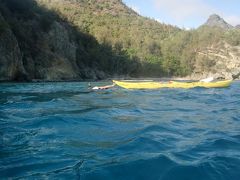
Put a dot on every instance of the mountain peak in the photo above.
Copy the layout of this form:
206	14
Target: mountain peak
215	20
237	26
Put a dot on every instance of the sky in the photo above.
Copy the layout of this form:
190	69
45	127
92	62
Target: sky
187	13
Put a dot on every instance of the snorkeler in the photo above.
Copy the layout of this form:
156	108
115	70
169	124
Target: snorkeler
100	87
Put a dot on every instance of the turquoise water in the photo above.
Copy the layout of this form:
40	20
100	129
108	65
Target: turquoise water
65	131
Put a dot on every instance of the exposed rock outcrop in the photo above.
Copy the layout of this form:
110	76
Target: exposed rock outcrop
57	61
216	21
40	45
11	67
237	26
221	61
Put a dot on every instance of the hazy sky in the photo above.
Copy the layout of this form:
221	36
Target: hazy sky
187	13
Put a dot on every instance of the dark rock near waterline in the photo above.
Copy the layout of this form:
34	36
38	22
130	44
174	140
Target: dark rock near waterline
11	67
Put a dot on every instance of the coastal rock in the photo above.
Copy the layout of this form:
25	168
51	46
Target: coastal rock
57	59
95	74
221	61
11	67
43	46
59	42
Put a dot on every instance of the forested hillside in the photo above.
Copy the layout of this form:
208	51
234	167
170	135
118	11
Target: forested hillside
95	39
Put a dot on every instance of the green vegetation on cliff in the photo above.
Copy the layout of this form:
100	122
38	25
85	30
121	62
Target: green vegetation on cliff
115	25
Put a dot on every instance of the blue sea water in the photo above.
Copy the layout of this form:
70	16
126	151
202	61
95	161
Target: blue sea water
65	131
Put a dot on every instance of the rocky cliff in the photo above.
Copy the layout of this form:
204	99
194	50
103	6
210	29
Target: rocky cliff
237	26
220	58
216	21
11	67
36	44
221	61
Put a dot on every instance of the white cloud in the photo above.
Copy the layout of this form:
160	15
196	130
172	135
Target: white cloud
135	8
233	20
188	28
159	20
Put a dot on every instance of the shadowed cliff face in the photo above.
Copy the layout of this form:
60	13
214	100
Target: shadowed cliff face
11	66
37	44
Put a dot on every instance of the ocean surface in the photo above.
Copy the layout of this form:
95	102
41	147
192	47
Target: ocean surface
66	131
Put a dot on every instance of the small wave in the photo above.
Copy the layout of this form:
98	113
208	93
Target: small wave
41	169
225	144
152	168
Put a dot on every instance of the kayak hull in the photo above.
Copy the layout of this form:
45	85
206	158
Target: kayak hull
172	84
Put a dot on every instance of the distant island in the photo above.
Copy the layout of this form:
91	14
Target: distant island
52	40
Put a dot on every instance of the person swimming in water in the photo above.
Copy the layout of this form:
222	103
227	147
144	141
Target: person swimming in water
100	87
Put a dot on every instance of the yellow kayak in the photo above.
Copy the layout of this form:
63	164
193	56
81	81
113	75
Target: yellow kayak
172	84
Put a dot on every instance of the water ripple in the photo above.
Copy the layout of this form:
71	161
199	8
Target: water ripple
66	131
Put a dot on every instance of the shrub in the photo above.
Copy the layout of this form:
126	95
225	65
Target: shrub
20	6
3	26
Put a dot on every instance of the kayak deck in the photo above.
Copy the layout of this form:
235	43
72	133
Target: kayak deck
172	84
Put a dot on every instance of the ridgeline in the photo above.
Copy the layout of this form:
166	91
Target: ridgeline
94	39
